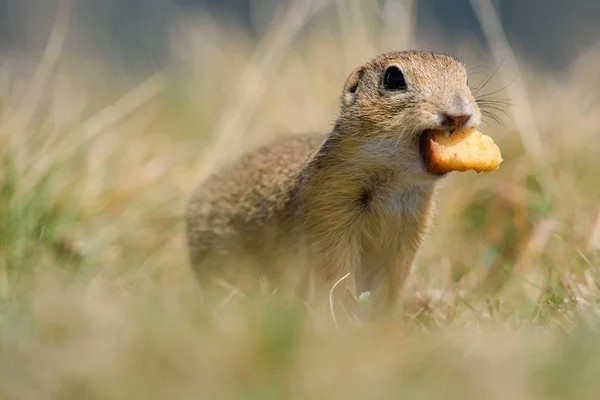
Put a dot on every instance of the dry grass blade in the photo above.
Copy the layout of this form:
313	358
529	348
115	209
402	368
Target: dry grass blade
331	297
594	240
354	29
109	116
524	116
19	120
126	105
536	244
54	49
266	59
399	17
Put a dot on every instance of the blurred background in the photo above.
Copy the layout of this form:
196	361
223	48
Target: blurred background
112	111
136	32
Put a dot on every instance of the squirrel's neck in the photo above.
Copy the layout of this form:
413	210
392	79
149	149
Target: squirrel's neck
340	174
345	156
350	193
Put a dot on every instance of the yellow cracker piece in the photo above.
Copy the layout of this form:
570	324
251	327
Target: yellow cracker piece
461	151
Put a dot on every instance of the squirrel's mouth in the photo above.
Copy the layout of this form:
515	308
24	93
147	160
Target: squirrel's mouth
424	145
424	139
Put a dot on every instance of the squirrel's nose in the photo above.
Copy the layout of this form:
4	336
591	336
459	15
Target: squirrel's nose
455	121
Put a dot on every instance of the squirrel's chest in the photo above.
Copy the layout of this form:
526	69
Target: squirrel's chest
392	201
394	217
375	208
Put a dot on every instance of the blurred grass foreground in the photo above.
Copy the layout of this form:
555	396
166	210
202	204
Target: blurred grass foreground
96	297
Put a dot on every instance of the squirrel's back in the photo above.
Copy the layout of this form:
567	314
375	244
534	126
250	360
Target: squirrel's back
250	195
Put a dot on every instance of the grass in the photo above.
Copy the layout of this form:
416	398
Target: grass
97	300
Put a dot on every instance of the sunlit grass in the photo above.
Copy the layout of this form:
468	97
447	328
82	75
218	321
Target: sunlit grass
97	300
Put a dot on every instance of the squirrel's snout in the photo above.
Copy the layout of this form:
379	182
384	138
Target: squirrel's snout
455	121
458	115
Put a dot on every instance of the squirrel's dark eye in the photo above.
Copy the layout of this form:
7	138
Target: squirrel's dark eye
393	79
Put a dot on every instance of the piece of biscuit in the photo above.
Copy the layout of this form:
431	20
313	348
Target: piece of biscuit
461	151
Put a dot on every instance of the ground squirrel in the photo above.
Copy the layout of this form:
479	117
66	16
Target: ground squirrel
357	200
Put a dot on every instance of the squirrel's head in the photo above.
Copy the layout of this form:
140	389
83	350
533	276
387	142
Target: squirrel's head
388	103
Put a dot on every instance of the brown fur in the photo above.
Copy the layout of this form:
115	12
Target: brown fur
358	200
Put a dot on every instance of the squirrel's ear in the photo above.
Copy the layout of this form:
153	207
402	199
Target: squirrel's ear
352	85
